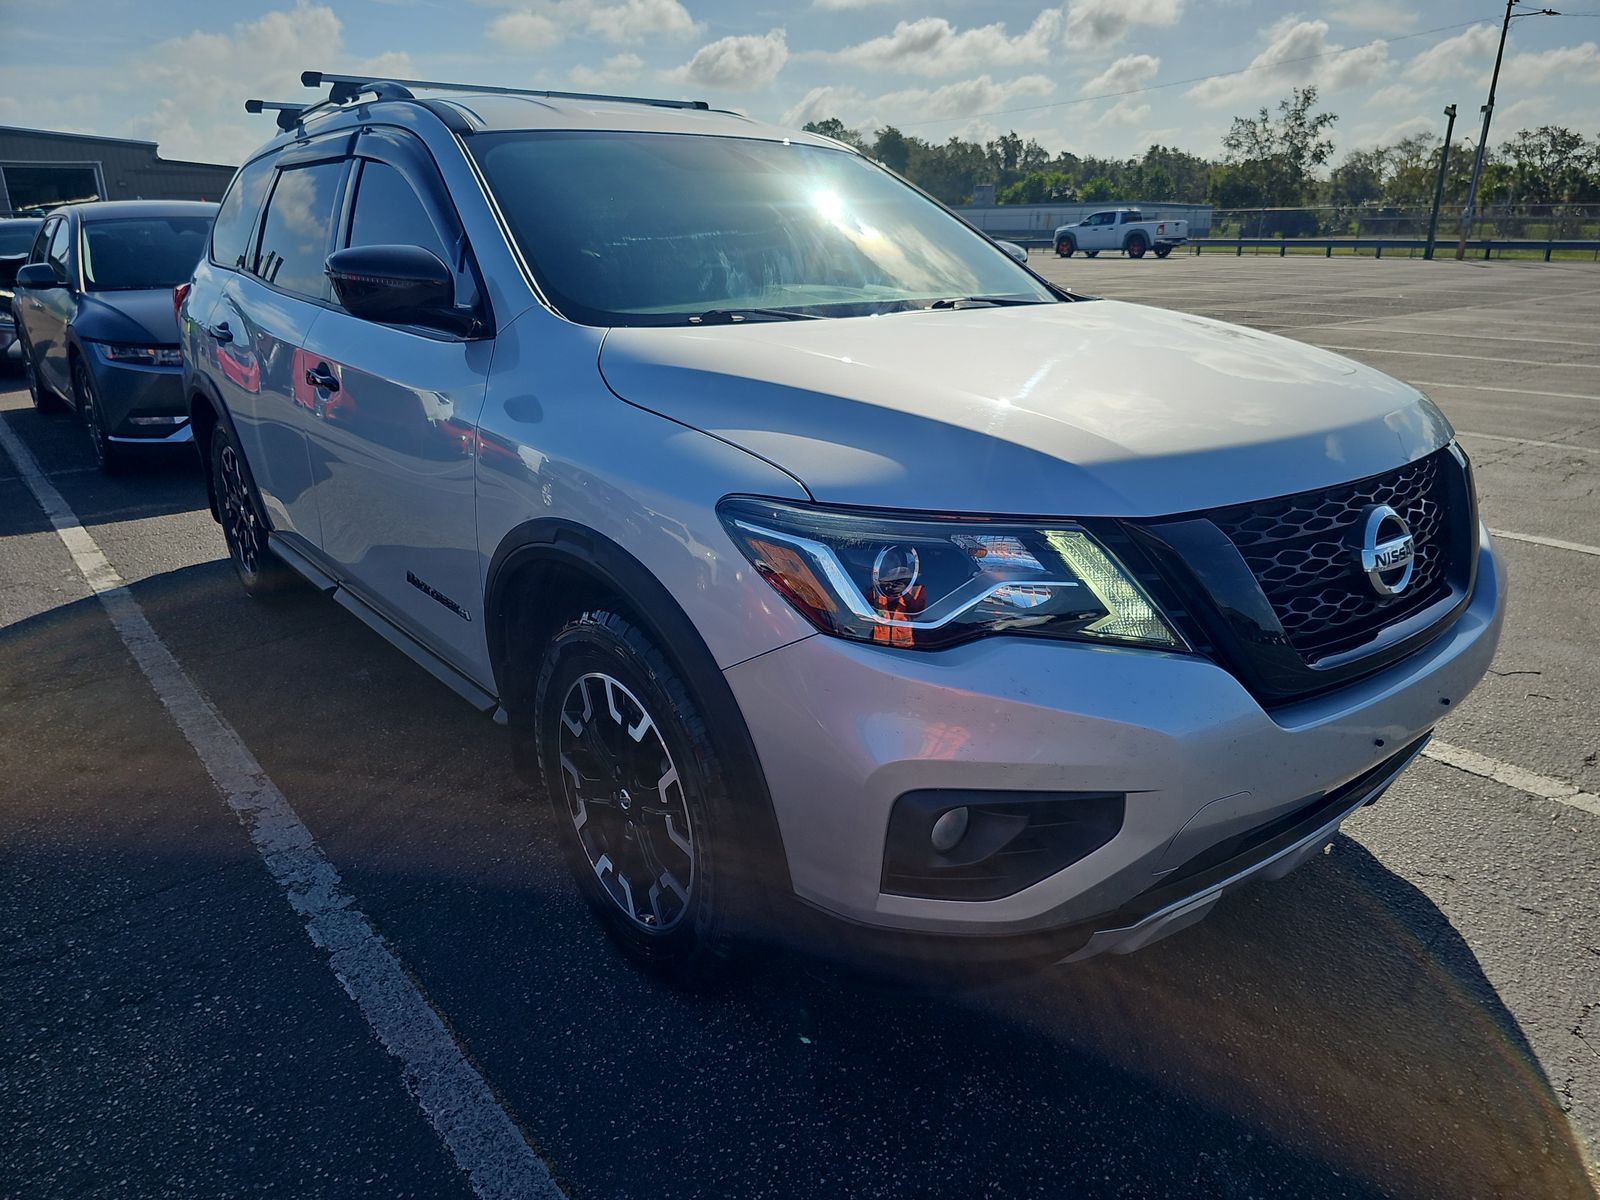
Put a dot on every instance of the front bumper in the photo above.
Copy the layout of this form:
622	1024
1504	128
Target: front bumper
844	729
140	403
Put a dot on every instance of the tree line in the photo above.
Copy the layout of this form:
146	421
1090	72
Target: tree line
1274	159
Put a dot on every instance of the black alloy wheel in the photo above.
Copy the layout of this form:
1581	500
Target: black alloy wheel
1163	251
1066	247
1137	246
624	797
637	792
107	455
244	527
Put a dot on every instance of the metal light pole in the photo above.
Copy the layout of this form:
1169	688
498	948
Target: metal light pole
1438	188
1488	113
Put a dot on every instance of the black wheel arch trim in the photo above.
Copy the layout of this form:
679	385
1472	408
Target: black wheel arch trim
561	542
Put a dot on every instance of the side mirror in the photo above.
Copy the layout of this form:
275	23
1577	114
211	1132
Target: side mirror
38	277
397	285
1017	252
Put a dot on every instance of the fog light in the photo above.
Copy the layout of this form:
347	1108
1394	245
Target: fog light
949	829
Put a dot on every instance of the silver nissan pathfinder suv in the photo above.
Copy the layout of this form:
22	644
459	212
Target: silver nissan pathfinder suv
833	571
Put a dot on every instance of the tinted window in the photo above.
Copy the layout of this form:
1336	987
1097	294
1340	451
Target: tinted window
16	237
142	252
644	228
56	255
230	236
296	232
388	213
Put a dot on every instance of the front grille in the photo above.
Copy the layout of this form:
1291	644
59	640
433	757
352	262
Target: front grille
1298	548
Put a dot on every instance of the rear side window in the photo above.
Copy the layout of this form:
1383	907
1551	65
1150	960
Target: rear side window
388	213
296	233
230	236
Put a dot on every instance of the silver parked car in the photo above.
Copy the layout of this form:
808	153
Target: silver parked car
834	574
94	312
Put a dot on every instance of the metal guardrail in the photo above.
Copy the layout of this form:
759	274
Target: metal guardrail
1443	247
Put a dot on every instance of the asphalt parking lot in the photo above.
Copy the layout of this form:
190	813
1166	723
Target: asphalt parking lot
1415	1014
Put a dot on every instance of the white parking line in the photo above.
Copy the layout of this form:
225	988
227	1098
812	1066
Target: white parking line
1509	362
1556	543
1533	784
481	1136
1483	387
1498	437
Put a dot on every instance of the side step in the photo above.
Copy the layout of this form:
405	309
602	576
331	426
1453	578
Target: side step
483	701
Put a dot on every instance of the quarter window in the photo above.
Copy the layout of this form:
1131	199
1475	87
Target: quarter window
230	236
296	233
389	213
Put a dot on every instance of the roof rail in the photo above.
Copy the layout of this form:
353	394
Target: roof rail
344	88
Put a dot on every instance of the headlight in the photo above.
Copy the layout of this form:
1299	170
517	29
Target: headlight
925	582
144	356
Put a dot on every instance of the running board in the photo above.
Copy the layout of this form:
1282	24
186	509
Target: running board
305	566
302	565
402	641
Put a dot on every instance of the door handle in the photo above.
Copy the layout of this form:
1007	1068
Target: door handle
220	332
321	377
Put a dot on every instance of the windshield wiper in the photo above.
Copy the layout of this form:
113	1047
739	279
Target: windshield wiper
958	301
731	316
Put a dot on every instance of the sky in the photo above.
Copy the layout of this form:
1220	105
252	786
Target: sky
1104	77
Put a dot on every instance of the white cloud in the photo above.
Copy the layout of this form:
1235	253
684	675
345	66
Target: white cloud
526	31
1125	113
967	98
1127	73
1096	24
1468	52
1380	16
538	26
1298	52
260	57
1566	65
1396	95
737	63
837	5
933	46
615	69
1530	111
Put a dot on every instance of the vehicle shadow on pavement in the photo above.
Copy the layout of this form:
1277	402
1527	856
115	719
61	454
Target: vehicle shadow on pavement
1330	1035
153	481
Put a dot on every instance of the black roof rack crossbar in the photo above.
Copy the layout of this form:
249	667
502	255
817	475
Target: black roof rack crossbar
289	113
347	87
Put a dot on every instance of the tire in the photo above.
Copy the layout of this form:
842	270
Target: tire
1137	246
1163	251
643	820
1090	253
244	523
44	400
1066	247
108	456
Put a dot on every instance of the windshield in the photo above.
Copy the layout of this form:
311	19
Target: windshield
142	252
16	237
645	228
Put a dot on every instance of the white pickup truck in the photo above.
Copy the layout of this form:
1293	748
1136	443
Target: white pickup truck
1120	229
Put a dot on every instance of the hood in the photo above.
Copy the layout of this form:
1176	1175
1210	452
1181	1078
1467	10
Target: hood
1092	409
144	315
